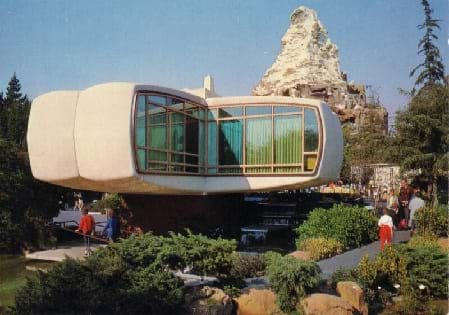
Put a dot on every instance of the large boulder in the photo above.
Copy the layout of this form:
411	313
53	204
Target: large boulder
320	304
258	302
353	293
208	301
299	254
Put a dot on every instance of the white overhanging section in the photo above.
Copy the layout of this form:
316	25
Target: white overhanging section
84	140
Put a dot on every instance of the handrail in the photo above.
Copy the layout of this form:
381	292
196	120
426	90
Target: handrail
61	225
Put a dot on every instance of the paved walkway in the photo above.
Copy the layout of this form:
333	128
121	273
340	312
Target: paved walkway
61	253
351	258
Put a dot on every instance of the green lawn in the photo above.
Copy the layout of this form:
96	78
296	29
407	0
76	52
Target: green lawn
12	276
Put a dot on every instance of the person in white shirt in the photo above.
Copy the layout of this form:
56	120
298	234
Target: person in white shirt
415	203
385	229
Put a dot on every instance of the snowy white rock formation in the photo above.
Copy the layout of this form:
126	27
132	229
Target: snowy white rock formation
308	66
307	57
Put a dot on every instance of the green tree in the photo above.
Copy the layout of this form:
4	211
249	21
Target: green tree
16	108
367	146
3	117
422	135
25	203
432	67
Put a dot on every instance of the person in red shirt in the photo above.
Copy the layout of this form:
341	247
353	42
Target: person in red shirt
87	227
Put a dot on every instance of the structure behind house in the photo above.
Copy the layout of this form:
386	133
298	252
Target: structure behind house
308	66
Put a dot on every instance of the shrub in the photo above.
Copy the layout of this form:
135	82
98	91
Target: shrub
432	221
420	240
111	201
133	276
290	278
351	226
319	248
427	265
247	266
409	267
206	256
74	287
344	274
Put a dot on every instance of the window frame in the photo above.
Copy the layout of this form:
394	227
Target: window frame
206	169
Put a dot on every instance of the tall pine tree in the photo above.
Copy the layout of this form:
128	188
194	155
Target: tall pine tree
432	69
3	117
16	108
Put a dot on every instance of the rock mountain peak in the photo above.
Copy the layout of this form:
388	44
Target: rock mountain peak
307	56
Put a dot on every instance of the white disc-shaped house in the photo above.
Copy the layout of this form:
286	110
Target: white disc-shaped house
133	138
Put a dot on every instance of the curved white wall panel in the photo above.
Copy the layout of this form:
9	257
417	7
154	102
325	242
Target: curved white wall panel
51	145
103	132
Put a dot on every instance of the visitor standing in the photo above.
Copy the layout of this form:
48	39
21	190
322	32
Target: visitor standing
393	207
87	227
415	204
385	229
112	228
405	194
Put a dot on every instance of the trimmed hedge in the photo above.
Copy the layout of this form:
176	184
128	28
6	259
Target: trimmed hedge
351	226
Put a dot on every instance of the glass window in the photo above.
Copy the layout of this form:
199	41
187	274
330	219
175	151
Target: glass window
202	142
157	99
287	139
141	159
212	143
212	114
191	160
192	131
230	112
230	170
140	122
157	155
175	103
157	167
310	163
257	170
174	135
177	158
287	169
310	131
177	132
230	142
157	129
258	141
258	110
287	109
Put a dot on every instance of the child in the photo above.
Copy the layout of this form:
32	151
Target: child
385	229
112	228
87	227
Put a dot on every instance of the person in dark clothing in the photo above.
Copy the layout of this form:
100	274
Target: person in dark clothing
405	194
112	228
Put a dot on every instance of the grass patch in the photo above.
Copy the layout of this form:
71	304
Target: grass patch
12	276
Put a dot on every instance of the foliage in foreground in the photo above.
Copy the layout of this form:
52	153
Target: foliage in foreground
351	226
320	248
409	266
291	278
133	276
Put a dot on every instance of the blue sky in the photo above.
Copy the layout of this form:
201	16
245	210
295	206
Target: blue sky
66	44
